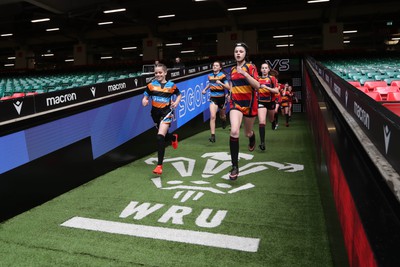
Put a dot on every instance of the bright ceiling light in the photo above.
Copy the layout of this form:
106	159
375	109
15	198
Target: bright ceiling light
40	20
237	8
52	29
316	1
352	31
6	34
173	44
284	45
105	23
166	16
129	48
114	10
283	36
187	51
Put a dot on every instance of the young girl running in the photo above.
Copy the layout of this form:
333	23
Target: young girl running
266	101
243	103
161	91
218	85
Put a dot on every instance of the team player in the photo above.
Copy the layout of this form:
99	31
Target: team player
219	86
162	94
285	96
292	97
266	101
243	103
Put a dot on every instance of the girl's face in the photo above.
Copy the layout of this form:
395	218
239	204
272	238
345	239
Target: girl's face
216	67
265	69
240	53
160	74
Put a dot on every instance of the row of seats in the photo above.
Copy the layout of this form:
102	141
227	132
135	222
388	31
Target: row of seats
364	70
54	82
377	78
18	95
379	91
391	96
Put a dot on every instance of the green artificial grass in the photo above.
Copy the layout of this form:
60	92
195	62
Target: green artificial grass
282	210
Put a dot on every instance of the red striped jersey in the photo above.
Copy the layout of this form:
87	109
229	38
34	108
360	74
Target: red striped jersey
264	95
243	96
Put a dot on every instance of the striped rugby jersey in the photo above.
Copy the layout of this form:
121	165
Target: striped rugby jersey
217	90
243	96
264	95
161	94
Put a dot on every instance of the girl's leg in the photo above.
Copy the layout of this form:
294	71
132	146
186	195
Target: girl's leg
249	132
262	113
213	116
235	117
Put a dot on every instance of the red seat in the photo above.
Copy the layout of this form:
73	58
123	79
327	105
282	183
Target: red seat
6	97
374	95
31	93
393	107
363	88
393	96
354	83
395	83
372	84
16	95
384	90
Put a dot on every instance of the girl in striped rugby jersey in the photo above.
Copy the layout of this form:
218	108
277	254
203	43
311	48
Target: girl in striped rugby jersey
243	103
161	93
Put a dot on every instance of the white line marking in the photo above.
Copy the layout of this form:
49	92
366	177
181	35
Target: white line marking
184	236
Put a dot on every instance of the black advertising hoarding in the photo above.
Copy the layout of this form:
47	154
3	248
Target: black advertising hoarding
379	124
16	108
20	107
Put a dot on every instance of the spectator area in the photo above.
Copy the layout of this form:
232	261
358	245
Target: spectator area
377	78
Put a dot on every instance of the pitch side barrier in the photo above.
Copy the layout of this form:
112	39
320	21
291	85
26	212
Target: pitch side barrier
364	190
378	123
110	114
15	109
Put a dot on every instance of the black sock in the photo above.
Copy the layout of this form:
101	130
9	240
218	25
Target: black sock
160	148
234	147
287	118
276	118
261	129
252	139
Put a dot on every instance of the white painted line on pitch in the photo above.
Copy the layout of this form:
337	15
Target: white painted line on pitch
185	236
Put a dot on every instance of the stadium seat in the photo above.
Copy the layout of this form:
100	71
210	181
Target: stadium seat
6	97
31	93
395	83
386	89
375	95
394	107
372	84
17	94
354	83
393	96
363	88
